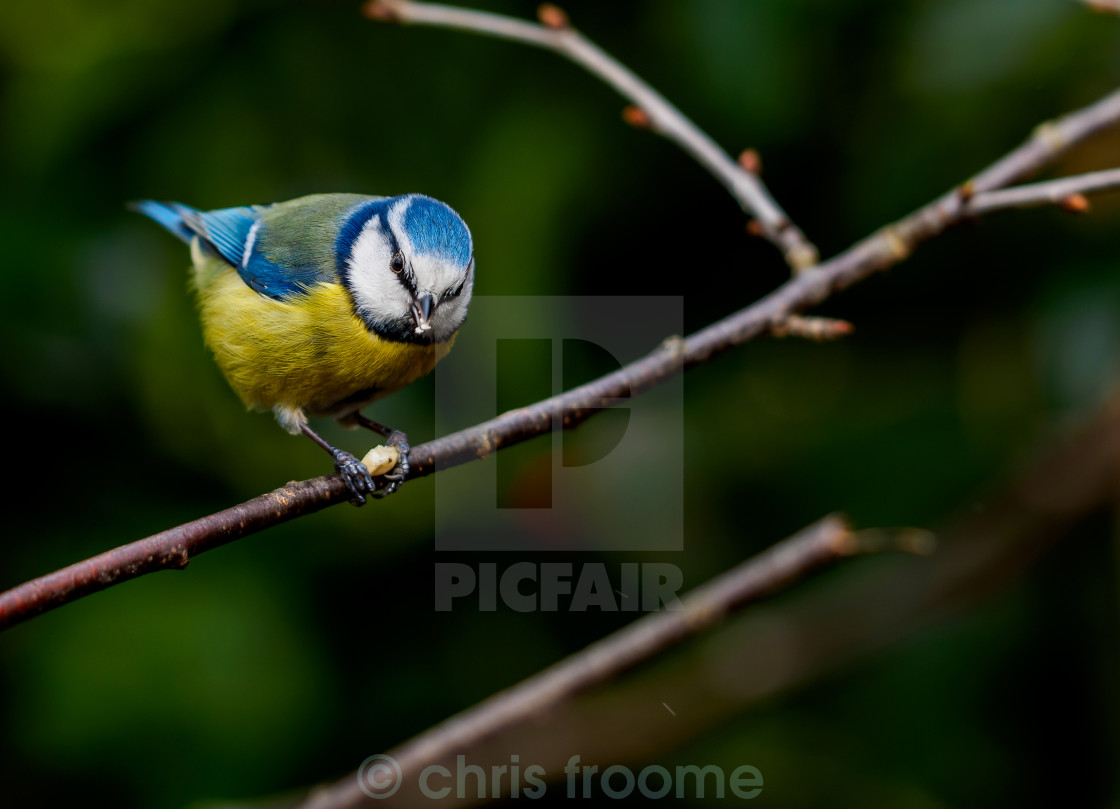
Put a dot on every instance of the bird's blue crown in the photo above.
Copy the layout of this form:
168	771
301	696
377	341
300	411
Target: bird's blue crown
432	227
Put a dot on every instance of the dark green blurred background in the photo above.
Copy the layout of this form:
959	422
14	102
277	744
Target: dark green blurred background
287	658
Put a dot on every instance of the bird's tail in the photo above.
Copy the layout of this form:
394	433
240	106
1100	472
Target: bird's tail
168	214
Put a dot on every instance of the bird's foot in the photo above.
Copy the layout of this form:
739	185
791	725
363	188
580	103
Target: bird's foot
355	476
393	480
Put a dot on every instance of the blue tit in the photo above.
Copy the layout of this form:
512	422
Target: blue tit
320	305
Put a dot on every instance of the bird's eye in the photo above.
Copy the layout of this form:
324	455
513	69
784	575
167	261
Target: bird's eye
396	263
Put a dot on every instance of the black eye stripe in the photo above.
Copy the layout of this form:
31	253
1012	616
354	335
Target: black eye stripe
454	293
458	290
407	278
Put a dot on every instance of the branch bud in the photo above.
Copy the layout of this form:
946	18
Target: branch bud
553	17
1075	203
812	328
750	161
636	117
381	11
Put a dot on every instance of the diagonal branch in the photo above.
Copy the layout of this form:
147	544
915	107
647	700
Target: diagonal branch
811	549
883	249
653	110
879	251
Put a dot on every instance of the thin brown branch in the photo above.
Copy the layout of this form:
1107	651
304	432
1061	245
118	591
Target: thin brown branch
172	549
1067	192
877	252
651	109
771	571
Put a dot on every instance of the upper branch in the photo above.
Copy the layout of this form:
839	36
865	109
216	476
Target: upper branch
657	112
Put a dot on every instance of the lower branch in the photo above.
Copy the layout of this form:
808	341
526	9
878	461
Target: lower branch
772	570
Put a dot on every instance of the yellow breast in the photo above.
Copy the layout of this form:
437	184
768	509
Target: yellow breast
310	352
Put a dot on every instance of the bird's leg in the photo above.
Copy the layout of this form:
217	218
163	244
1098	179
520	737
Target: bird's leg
354	473
395	439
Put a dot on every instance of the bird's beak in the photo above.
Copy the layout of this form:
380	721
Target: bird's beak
421	310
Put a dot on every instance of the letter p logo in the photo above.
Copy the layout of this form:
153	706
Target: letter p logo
616	483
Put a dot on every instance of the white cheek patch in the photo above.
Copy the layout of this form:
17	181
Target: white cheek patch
435	275
449	315
376	290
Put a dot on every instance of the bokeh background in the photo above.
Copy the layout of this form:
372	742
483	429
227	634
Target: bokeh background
285	659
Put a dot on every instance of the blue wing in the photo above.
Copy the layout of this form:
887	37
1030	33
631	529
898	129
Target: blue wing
234	235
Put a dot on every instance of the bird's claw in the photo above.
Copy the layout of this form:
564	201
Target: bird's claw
355	476
399	473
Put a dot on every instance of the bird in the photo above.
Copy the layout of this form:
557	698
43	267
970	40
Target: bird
317	306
